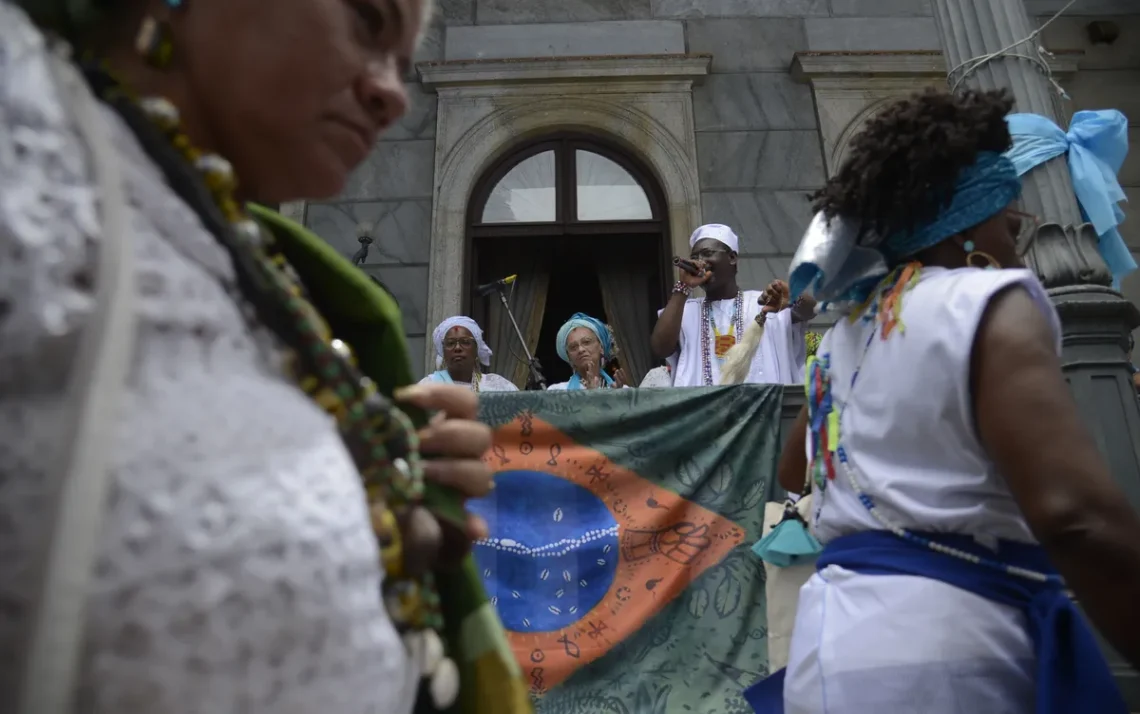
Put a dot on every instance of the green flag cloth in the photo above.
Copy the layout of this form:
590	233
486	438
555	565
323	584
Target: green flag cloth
620	557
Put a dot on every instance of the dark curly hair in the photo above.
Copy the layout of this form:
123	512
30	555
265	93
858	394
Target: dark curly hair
903	165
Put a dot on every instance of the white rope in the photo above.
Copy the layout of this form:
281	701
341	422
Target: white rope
1037	59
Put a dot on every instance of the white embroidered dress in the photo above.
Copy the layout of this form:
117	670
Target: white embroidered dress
490	382
237	571
871	644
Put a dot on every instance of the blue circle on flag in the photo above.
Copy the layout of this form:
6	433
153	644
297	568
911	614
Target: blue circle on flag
552	553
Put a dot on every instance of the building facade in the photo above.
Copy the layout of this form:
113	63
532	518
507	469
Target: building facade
577	143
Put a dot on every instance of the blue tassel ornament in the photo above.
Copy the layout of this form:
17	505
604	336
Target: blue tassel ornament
789	543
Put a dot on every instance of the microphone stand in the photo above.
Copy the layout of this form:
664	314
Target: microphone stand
536	379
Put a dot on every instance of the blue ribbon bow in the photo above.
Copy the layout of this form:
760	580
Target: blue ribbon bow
1096	144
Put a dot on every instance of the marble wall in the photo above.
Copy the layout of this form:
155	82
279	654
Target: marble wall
757	138
391	196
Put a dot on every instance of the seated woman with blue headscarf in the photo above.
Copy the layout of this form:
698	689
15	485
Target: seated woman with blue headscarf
459	350
955	490
586	344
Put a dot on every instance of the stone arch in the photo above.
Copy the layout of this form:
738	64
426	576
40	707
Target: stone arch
839	151
671	158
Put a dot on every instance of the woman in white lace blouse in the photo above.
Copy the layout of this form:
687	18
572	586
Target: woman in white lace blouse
237	568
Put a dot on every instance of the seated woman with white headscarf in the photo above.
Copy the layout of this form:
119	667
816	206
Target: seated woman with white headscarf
459	349
585	343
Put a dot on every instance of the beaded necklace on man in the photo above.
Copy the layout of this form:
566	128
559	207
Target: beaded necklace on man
711	335
380	438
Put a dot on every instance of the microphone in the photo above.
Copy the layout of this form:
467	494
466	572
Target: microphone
688	266
487	288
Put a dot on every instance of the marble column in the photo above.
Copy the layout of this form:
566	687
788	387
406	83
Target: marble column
1065	251
1096	318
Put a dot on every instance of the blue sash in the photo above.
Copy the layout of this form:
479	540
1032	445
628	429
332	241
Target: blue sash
1072	675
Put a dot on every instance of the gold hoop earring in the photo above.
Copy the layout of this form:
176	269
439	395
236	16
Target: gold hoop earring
154	44
973	254
991	263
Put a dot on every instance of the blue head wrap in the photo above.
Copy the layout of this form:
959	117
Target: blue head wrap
841	264
1096	145
594	325
581	319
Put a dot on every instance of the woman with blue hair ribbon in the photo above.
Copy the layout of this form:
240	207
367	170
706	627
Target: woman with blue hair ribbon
459	350
586	344
956	492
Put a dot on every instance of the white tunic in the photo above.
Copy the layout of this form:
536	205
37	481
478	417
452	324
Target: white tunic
780	359
237	572
867	644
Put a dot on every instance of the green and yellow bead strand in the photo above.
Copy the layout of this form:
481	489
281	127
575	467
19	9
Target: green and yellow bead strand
380	438
370	426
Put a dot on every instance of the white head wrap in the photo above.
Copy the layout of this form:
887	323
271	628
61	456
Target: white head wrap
468	324
717	232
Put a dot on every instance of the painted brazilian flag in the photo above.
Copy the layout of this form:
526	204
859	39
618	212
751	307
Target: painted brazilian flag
619	559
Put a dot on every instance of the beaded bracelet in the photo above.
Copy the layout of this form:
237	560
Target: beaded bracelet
680	287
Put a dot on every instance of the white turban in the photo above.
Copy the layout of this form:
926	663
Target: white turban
468	324
717	232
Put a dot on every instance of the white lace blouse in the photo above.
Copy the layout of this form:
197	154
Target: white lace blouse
237	570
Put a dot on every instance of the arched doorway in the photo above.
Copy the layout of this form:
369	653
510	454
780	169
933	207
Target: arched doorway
582	225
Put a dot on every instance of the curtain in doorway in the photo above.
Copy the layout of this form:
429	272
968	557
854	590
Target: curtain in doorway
528	302
625	288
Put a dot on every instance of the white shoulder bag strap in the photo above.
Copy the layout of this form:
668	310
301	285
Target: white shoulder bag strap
52	655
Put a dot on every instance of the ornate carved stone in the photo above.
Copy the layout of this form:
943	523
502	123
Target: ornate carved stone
1067	255
849	87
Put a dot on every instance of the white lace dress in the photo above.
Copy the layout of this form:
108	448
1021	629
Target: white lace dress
487	383
237	569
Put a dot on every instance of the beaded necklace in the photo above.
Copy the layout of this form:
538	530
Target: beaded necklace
885	307
380	438
475	379
708	327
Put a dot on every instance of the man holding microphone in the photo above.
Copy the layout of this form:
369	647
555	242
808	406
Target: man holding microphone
695	334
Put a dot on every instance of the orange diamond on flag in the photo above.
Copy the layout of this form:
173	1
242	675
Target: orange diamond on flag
583	552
